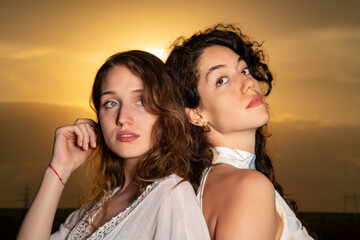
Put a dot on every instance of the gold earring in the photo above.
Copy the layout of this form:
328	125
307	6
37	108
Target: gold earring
206	128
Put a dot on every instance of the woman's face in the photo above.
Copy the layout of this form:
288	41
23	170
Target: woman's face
126	125
231	99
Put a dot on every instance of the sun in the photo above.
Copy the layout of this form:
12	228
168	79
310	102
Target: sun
157	52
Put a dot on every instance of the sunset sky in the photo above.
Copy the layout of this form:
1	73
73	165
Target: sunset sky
51	50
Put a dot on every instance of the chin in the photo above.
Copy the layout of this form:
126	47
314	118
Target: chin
125	153
131	154
262	120
266	119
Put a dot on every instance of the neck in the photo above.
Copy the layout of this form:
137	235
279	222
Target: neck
244	140
130	168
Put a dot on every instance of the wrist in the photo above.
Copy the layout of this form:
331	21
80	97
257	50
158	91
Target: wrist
61	171
54	170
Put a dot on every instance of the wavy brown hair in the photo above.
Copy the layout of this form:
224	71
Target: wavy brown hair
171	134
184	58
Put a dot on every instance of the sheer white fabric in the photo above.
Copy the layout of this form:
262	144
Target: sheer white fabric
292	227
162	211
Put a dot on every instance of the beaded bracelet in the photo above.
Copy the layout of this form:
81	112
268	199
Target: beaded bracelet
52	168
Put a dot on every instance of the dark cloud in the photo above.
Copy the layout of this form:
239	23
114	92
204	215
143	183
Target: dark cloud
27	133
318	164
301	16
40	23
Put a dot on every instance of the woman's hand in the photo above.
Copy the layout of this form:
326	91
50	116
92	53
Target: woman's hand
73	145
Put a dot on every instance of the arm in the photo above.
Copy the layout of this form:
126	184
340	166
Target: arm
248	210
71	149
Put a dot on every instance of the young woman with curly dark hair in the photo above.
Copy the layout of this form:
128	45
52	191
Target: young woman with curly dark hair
141	161
223	81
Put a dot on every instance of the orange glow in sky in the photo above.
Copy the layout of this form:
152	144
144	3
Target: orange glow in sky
50	52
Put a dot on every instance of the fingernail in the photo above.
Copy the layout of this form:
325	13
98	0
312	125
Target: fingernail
94	144
80	144
87	147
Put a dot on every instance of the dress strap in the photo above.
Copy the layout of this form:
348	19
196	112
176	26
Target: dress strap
200	192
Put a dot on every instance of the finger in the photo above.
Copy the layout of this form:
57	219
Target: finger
89	121
79	136
85	140
92	135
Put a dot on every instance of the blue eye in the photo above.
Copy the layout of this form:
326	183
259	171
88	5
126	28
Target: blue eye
246	71
222	81
140	102
111	104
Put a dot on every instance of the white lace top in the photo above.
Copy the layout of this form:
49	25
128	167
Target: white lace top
292	228
162	211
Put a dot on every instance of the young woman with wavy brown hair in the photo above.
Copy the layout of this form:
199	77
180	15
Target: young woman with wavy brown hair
223	80
141	161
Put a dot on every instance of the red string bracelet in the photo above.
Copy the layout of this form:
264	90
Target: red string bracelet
52	168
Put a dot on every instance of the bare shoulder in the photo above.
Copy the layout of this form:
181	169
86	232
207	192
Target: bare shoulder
245	197
248	181
237	184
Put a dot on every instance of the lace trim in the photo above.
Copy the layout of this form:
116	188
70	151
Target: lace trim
83	229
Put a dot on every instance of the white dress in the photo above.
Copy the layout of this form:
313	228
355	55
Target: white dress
163	211
292	227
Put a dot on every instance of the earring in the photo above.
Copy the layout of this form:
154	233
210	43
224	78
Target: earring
206	128
201	120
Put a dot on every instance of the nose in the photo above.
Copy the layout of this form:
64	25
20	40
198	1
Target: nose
246	83
124	115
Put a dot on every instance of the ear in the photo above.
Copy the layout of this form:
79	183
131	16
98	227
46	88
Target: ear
193	116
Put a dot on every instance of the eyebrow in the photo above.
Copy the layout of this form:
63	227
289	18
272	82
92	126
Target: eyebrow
114	92
213	68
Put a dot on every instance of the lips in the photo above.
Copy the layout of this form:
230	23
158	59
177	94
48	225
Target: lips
126	136
255	101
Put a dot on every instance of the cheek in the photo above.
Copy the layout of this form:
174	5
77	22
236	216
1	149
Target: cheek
104	123
214	114
149	134
147	122
220	106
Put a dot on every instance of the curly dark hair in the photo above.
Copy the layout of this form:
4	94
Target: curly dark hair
171	133
184	59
